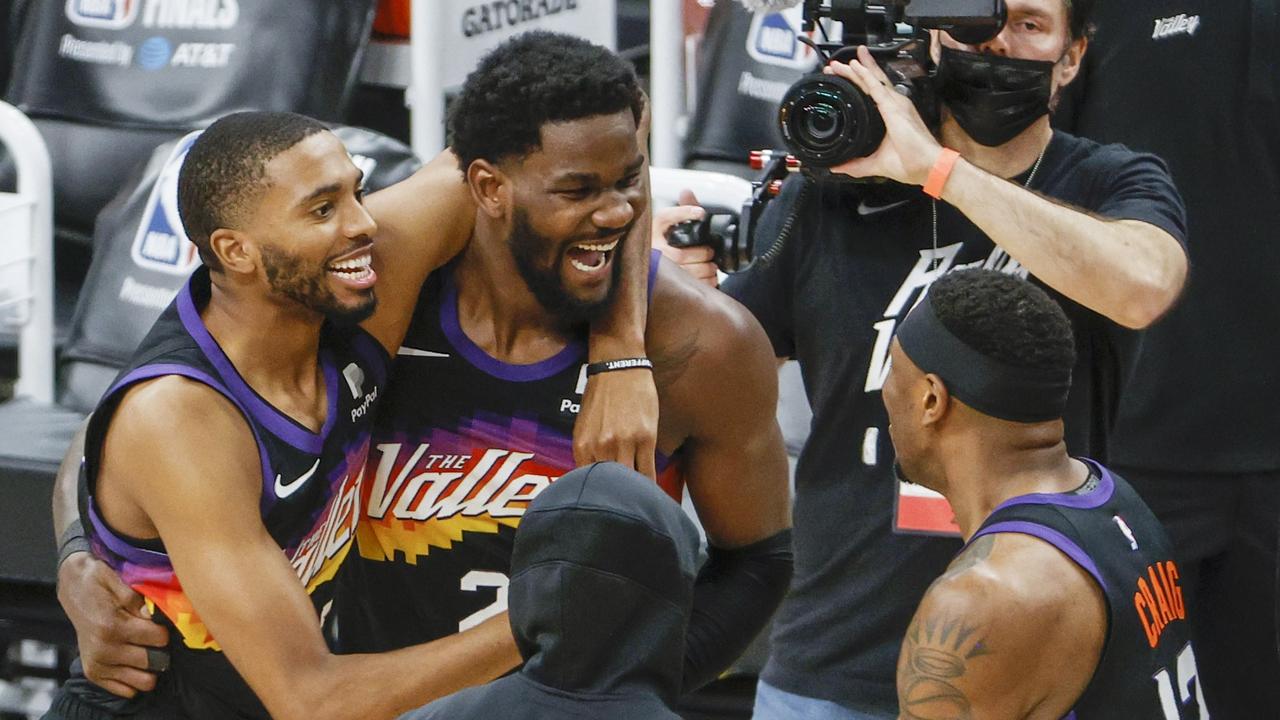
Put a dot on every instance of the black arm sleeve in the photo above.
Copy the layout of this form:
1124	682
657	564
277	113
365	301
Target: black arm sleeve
735	595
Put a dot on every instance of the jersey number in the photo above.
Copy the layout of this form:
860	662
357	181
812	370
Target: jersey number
472	582
1172	703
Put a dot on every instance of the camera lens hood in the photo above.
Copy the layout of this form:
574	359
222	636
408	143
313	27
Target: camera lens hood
826	121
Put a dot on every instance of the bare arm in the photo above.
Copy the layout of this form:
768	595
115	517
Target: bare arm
424	221
1002	634
113	627
709	349
619	416
1126	270
202	498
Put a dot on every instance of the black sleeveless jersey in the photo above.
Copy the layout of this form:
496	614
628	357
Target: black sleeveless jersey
1148	668
462	444
310	492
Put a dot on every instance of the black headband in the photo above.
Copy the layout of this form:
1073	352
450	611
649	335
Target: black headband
987	385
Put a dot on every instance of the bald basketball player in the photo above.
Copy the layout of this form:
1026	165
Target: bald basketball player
1065	601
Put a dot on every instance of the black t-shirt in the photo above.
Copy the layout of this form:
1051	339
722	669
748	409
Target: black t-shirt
1196	82
831	295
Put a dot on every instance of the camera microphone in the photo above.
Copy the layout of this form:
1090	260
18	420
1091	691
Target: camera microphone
756	6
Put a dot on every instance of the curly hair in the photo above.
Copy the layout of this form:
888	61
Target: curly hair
532	79
1005	318
225	169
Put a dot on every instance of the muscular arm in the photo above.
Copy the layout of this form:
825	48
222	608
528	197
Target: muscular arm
707	349
202	498
1012	630
1126	270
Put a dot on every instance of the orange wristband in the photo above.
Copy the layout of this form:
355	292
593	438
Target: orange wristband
940	172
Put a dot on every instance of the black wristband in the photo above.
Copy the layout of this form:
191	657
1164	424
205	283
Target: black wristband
619	364
72	541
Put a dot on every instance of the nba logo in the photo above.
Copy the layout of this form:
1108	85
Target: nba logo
108	14
161	243
774	40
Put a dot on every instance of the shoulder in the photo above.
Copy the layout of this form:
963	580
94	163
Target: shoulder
1009	607
1103	162
705	321
173	411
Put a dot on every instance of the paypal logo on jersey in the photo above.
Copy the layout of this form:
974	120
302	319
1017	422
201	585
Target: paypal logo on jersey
109	14
774	40
160	243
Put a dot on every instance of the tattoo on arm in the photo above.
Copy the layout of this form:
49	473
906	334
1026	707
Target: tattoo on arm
977	551
935	658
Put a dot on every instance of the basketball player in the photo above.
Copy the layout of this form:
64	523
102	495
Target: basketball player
478	419
1066	600
241	428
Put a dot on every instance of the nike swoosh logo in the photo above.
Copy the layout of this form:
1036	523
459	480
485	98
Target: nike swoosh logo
865	209
285	490
415	352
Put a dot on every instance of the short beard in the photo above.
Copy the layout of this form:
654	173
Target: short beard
288	276
545	283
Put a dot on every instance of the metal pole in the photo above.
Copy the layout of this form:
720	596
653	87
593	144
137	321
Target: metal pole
35	183
666	54
426	86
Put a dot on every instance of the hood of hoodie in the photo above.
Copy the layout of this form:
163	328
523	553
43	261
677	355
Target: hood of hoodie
602	575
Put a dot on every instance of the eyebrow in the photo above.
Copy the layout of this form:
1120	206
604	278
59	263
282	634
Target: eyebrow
594	178
330	189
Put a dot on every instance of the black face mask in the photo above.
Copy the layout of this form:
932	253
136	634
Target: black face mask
994	98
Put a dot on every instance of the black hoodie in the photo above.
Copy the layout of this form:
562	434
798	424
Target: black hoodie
602	576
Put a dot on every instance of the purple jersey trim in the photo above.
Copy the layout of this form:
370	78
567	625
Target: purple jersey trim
1095	498
275	421
572	353
1049	535
116	544
655	258
108	536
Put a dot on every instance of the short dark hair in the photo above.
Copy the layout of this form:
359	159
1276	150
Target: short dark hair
226	166
1006	318
533	79
1079	18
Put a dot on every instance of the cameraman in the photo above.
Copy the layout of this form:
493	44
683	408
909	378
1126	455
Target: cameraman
840	264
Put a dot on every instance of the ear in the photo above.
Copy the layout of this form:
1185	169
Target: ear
490	188
235	250
1072	58
936	401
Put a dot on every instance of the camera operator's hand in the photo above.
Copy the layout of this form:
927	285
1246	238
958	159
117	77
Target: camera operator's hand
696	260
909	150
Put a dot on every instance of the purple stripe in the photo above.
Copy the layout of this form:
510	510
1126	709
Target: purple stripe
574	352
1070	716
279	425
1049	535
147	372
115	544
655	258
1097	497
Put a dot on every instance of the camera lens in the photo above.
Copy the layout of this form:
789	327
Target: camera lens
821	122
827	121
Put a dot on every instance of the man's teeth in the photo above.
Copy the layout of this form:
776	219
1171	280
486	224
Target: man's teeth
358	265
598	248
588	268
